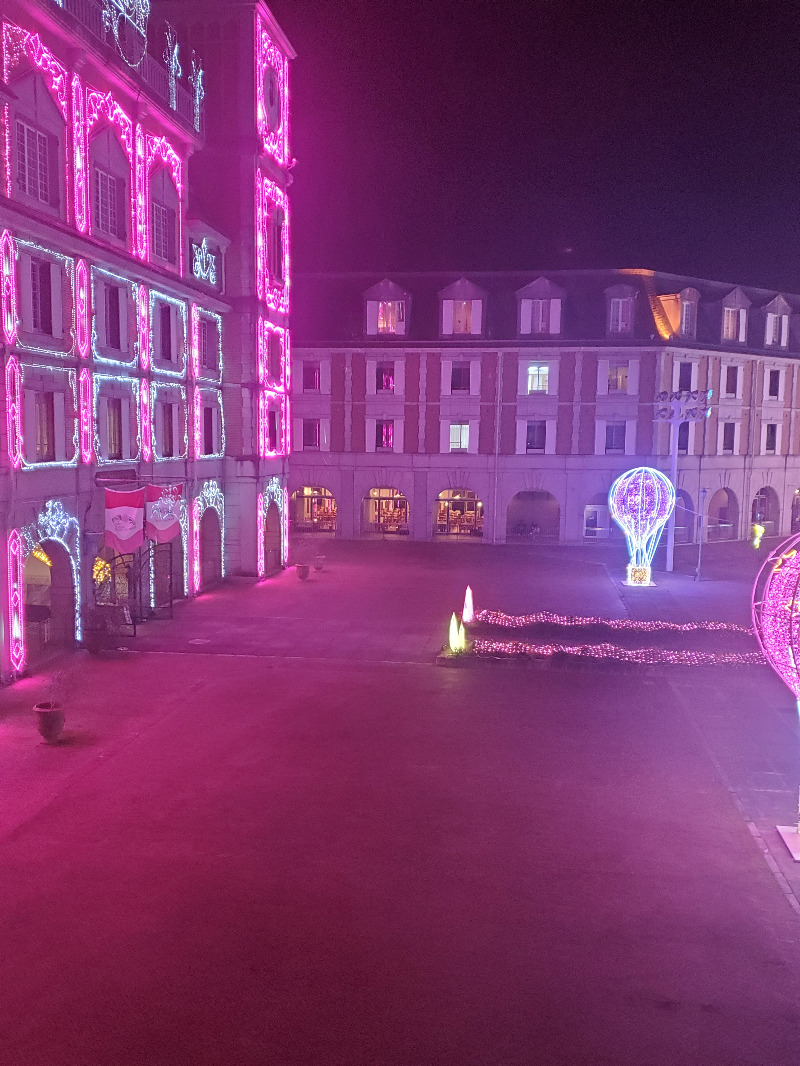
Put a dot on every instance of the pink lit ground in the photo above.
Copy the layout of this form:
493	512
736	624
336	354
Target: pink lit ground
302	843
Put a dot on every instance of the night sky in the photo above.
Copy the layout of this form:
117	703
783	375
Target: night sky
467	135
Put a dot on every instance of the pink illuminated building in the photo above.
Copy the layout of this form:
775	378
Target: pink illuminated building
144	331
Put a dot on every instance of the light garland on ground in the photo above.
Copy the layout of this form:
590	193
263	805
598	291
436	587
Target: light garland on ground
520	621
640	656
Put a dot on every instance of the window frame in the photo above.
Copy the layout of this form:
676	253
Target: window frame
463	436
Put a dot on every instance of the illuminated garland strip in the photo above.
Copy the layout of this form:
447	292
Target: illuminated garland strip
69	267
159	148
86	406
641	656
53	523
18	42
103	106
260	552
83	309
519	621
14	411
143	327
72	381
142	231
8	282
274	142
80	157
146	422
134	385
16	600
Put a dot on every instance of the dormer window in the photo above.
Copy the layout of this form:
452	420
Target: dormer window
734	318
392	316
620	314
688	318
541	316
777	331
462	306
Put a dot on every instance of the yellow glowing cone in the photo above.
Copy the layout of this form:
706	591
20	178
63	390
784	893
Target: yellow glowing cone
462	638
454	638
468	614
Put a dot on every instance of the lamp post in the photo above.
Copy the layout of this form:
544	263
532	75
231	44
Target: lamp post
677	408
702	531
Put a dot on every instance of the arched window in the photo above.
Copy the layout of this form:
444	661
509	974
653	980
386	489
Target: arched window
38	135
110	182
164	217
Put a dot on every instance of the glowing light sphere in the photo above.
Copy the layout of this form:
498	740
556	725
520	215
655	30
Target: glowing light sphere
640	502
776	611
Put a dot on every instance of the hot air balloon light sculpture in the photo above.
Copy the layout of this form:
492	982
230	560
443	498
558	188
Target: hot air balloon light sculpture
776	612
640	502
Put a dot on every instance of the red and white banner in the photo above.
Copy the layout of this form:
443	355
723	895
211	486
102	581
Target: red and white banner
163	512
124	520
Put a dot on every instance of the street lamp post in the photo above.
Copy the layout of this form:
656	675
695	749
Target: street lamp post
677	408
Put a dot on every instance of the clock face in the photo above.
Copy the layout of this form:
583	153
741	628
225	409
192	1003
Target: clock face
272	99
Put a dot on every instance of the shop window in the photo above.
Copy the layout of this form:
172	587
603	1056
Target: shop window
391	316
310	376
618	377
538	378
615	437
310	434
728	437
384	377
731	380
459	436
384	434
535	436
459	512
45	427
774	388
114	427
459	377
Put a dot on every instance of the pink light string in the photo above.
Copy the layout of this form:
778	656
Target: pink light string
519	621
641	656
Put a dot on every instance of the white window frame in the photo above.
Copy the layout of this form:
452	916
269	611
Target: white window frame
734	325
778	434
43	179
724	381
688	322
721	437
620	314
600	436
776	331
768	397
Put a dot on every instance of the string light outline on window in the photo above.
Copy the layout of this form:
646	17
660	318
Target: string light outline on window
134	385
157	390
216	396
182	308
265	328
103	106
199	371
18	42
641	501
72	384
159	149
69	268
8	280
274	142
133	288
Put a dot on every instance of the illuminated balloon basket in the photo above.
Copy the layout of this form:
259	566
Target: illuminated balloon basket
776	620
640	502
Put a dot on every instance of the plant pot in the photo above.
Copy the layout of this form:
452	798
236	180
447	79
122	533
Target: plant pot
319	562
94	640
50	721
302	570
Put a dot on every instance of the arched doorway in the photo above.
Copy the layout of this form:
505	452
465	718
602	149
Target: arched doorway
49	598
458	512
386	512
210	549
272	538
313	510
723	515
684	518
533	515
766	511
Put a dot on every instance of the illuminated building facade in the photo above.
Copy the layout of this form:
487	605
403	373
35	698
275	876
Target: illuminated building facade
504	406
144	333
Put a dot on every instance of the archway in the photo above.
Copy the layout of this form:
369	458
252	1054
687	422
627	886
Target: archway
272	538
210	549
386	512
49	598
458	512
723	515
533	515
313	510
684	517
766	510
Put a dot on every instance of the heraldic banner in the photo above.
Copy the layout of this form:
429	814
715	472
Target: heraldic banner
124	520
163	518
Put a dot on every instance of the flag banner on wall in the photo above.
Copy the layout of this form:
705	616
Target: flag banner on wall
163	512
124	530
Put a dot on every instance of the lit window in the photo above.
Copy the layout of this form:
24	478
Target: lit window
114	426
728	437
33	162
310	377
621	314
45	427
384	434
538	377
164	244
771	438
107	203
459	377
731	380
615	437
41	298
688	318
734	324
310	433
618	377
462	316
459	436
384	377
391	315
535	436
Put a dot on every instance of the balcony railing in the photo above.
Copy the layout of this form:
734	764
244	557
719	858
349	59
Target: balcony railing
89	13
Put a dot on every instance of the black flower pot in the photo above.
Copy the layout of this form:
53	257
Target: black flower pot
302	571
50	721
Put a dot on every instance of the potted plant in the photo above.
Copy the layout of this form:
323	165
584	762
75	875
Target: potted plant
49	712
319	562
302	570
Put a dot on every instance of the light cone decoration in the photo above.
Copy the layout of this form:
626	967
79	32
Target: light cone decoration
468	614
640	502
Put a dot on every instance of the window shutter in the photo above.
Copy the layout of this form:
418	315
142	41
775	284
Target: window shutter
122	207
370	434
172	255
600	437
123	319
472	441
178	437
325	434
372	368
742	325
159	416
633	377
397	442
602	379
399	377
784	331
325	377
60	426
550	437
126	428
477	317
372	317
630	437
444	437
25	269
525	317
54	198
29	424
768	332
102	425
175	336
46	296
55	301
298	434
474	377
446	383
555	316
215	427
100	317
447	318
522	437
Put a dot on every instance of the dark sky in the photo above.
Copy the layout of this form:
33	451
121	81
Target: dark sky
474	135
